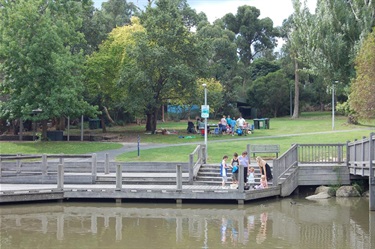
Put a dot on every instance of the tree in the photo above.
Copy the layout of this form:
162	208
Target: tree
166	61
362	97
222	60
270	93
104	67
253	35
40	70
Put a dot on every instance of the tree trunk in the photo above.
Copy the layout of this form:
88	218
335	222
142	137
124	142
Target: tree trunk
44	130
102	121
296	91
152	120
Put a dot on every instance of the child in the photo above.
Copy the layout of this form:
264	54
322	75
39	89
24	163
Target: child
223	171
263	183
234	165
251	178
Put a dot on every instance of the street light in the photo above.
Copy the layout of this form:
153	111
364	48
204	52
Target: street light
205	120
333	104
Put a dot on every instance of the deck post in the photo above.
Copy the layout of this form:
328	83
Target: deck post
93	167
191	169
44	164
18	164
60	176
106	169
178	178
240	178
371	172
204	148
118	177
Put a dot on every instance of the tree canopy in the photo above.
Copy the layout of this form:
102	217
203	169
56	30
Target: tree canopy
40	69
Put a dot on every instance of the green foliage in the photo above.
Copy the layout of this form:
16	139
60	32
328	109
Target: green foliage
41	70
253	35
270	94
359	186
166	60
362	97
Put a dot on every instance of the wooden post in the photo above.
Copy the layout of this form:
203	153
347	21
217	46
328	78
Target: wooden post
18	164
118	177
60	176
44	164
93	167
20	133
106	169
240	178
204	153
0	165
371	172
178	178
191	169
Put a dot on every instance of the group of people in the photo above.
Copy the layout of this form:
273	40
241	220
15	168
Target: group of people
227	125
243	161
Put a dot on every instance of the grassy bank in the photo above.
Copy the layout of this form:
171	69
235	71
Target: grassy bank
311	128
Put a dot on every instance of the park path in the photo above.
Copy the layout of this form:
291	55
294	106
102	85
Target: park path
128	147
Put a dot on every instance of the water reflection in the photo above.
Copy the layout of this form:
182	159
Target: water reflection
334	223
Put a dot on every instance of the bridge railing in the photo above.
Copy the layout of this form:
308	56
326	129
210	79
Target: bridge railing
361	156
321	153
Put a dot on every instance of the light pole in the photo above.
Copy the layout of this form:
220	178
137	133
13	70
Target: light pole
205	120
333	104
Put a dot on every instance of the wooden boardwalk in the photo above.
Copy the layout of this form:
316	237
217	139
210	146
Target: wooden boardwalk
39	192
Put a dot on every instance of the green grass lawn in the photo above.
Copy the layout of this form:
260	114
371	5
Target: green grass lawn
311	128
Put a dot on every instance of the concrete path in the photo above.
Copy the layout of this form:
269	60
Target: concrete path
127	147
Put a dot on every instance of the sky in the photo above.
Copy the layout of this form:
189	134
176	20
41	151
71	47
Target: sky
277	10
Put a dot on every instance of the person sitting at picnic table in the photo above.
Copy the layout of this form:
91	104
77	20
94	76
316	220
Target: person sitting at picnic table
191	128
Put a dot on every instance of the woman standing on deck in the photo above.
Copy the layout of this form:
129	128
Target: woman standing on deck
264	168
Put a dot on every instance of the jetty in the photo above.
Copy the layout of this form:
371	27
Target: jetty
65	177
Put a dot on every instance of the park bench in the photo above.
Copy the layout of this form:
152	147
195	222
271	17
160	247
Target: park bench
265	148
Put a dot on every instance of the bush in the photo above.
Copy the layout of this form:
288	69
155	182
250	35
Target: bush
332	190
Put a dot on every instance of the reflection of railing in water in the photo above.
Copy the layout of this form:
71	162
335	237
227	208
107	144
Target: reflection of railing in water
253	225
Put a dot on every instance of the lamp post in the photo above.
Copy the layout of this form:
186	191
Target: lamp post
333	104
205	120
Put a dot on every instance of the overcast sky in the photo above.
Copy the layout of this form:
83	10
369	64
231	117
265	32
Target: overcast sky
277	10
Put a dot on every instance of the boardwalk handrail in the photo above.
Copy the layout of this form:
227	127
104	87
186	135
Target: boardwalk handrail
195	166
321	153
44	161
286	160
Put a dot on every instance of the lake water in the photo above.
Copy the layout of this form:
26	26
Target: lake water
272	223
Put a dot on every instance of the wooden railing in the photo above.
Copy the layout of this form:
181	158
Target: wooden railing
196	159
360	156
321	153
284	162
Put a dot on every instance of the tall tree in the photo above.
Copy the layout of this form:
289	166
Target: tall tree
253	35
104	67
362	97
167	60
40	70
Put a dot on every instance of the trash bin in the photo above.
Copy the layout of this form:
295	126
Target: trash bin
55	135
267	123
261	123
94	124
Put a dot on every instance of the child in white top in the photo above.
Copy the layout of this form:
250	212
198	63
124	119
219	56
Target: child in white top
251	177
223	171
